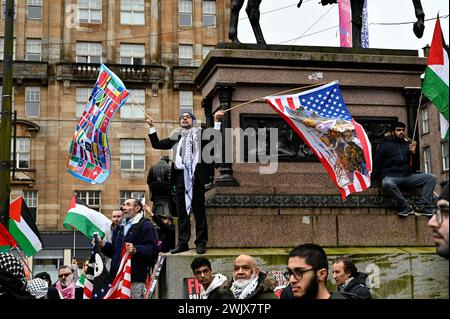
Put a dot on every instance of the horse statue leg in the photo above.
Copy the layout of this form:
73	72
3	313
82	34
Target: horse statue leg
419	25
357	13
253	14
236	6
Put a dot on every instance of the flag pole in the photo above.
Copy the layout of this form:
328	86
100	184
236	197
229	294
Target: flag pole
23	260
140	106
73	255
278	93
417	116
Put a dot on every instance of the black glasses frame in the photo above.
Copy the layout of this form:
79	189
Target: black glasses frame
440	211
297	272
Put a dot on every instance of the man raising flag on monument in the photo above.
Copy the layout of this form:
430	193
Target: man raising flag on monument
320	117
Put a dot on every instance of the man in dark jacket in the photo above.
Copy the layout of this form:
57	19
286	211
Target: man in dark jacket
249	282
393	164
349	281
189	174
140	240
214	286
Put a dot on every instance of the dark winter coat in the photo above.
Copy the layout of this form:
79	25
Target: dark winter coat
356	288
222	292
392	158
146	250
166	234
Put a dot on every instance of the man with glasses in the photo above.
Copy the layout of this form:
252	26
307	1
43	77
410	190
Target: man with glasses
214	286
189	175
439	224
307	273
66	284
393	163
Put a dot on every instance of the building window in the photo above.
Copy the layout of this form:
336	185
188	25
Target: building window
427	160
89	52
185	13
185	55
445	156
186	101
132	154
130	110
32	101
90	11
425	120
90	198
209	13
22	152
206	49
82	97
4	8
124	195
33	49
31	199
132	12
2	48
132	54
34	9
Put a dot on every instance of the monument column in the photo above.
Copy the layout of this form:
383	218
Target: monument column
224	92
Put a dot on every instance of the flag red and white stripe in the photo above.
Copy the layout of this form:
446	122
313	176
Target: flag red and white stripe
121	286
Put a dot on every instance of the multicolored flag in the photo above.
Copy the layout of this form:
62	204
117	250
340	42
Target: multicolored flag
97	278
87	220
435	84
6	240
89	156
345	23
321	118
121	286
23	228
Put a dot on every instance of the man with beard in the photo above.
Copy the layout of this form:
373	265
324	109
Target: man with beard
307	273
349	281
393	164
214	286
189	173
249	282
66	284
439	224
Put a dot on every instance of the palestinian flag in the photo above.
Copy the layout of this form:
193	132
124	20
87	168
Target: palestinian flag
87	220
23	228
6	240
435	84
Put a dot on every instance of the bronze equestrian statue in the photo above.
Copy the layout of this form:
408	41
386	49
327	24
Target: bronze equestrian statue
253	14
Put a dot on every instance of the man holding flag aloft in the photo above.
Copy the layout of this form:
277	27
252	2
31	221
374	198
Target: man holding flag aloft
139	237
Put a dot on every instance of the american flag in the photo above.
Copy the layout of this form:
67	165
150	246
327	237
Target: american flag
121	286
321	118
97	278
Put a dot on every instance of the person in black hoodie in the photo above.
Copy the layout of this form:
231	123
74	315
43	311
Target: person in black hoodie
350	282
393	165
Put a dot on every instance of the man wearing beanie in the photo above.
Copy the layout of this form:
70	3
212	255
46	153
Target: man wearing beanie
439	224
189	175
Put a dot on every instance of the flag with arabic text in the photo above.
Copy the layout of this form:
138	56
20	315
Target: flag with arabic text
321	118
89	157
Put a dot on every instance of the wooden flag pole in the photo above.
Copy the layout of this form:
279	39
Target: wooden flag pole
278	93
23	260
140	106
416	124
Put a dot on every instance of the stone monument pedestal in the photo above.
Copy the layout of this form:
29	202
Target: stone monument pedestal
299	202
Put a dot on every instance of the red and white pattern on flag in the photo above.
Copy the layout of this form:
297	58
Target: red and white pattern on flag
121	286
320	117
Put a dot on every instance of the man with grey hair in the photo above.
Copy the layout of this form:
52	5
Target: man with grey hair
249	282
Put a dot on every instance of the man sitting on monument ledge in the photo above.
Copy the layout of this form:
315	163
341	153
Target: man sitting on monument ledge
393	164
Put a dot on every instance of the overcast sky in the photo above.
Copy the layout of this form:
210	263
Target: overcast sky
290	23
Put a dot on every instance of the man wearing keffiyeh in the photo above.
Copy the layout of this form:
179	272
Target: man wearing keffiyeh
189	175
12	278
